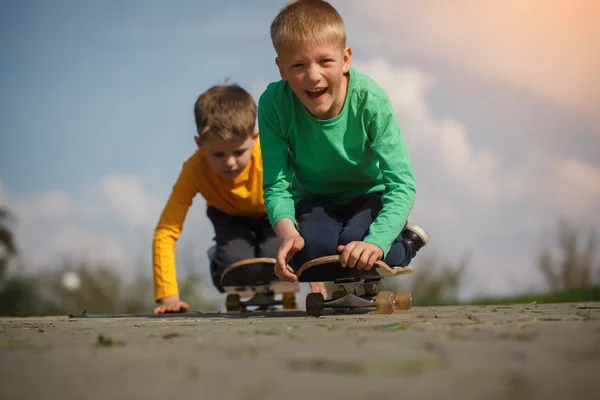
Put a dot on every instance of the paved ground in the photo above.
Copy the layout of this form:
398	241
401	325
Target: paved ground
497	352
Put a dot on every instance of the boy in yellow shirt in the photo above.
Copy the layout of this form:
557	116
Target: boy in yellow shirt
227	171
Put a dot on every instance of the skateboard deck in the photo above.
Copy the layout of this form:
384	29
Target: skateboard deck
255	278
329	269
348	280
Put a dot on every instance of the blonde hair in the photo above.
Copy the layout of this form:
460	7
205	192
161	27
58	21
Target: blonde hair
225	112
307	21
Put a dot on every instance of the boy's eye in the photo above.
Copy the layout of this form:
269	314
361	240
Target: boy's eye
239	153
326	60
296	65
218	155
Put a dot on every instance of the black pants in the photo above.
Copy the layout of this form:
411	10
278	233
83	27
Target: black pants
238	238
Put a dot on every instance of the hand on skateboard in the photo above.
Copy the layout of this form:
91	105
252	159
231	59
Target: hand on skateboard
359	255
289	247
171	304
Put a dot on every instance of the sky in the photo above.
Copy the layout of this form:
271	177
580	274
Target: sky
499	103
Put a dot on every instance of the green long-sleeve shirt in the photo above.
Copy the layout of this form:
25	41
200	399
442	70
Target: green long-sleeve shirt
360	151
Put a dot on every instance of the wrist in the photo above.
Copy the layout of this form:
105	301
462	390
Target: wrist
169	299
285	228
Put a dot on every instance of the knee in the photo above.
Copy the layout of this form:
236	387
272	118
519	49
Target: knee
319	244
233	251
351	235
269	248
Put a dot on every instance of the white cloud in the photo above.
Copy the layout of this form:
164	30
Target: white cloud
548	48
585	178
472	199
126	198
111	223
443	143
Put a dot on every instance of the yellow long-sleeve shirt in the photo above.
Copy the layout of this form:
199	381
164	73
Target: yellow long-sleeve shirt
242	196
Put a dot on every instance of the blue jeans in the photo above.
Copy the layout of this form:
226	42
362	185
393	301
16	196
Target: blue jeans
324	226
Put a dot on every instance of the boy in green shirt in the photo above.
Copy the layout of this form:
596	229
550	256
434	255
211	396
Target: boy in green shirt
337	176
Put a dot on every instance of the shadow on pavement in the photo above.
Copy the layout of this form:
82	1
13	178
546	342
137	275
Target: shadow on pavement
198	314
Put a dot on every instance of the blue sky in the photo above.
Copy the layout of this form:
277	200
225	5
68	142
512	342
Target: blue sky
500	111
93	81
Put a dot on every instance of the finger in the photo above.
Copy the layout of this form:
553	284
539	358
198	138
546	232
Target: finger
354	256
284	274
278	272
346	253
184	306
363	261
289	276
282	255
157	310
372	260
162	309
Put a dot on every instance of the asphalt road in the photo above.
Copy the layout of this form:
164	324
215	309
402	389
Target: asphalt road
494	352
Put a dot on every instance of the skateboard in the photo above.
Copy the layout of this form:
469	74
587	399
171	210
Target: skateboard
255	278
348	281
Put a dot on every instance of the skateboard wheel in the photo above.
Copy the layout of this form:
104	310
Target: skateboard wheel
233	302
385	302
315	304
288	301
403	300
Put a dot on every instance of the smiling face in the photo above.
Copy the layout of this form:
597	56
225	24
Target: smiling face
227	158
317	75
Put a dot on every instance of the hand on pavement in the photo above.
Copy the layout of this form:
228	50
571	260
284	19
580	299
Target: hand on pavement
171	304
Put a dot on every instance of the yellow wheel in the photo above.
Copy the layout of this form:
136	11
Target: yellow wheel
385	302
288	301
233	302
314	304
403	300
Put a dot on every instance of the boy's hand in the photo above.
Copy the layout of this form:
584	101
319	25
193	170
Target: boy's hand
290	245
171	304
360	255
318	287
291	242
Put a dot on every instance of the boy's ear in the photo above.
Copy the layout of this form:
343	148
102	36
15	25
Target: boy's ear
254	135
197	140
347	59
281	71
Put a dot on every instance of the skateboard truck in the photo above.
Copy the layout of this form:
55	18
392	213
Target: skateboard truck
346	298
255	278
348	280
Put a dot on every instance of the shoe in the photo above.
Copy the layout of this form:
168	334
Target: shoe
416	236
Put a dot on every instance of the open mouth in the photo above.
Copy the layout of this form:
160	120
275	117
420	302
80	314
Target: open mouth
316	94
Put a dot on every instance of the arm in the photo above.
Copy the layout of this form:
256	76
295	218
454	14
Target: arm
277	169
276	187
399	195
166	234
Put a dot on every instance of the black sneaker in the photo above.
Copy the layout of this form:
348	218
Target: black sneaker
416	236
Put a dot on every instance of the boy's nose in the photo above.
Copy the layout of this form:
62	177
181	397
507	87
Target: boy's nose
230	161
314	73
